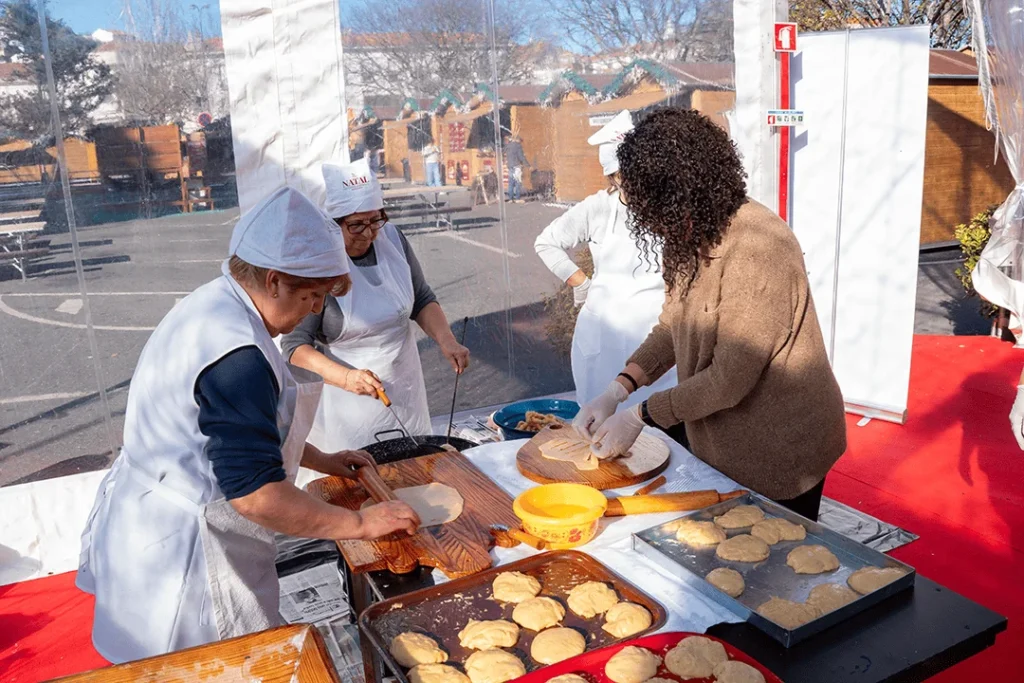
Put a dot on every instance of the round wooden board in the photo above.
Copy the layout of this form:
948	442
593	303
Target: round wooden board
647	459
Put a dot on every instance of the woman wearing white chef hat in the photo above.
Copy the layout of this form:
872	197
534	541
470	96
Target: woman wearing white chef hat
179	548
364	342
622	302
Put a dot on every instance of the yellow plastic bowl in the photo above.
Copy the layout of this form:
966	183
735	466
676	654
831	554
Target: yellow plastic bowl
563	515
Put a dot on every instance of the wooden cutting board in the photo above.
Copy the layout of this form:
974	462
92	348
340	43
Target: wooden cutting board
647	459
464	543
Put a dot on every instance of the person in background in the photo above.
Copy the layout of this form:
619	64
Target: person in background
364	342
179	547
756	397
432	164
515	161
621	304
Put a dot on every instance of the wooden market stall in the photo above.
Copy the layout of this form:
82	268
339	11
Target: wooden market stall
962	176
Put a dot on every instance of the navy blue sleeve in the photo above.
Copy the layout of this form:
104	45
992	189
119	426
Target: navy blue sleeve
237	397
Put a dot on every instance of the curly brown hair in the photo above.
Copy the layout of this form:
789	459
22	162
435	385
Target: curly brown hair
683	181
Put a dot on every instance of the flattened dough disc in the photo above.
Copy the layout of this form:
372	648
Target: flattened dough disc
434	503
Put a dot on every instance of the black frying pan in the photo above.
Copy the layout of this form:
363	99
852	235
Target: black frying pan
392	450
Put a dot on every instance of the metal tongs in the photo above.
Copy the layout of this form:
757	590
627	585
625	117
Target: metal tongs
383	396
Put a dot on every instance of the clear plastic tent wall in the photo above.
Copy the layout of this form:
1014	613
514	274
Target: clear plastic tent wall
137	209
999	44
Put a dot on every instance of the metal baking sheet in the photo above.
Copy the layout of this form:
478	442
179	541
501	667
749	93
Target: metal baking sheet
772	577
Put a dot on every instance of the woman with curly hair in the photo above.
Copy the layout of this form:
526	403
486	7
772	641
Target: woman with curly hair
756	397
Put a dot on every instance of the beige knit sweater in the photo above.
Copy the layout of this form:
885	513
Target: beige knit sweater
755	388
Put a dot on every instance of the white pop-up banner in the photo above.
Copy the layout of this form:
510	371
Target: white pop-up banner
287	88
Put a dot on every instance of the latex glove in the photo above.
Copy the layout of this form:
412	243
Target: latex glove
618	434
592	416
385	518
579	293
361	382
1017	417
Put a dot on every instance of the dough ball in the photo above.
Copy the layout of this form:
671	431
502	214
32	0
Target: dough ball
743	548
870	579
699	534
538	614
812	559
410	649
514	587
695	657
829	597
626	619
632	665
484	635
729	581
494	666
570	678
788	614
737	672
740	517
775	530
436	673
591	598
557	644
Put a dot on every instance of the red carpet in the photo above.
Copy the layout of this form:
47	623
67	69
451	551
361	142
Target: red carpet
952	474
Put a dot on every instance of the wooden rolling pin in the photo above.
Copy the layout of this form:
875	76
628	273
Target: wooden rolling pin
667	502
370	480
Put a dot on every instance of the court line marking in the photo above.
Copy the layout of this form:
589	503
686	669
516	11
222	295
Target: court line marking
198	239
488	247
70	306
91	294
4	308
44	397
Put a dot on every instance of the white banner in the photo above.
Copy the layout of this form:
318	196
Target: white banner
287	90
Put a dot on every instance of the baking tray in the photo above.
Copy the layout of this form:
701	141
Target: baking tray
772	577
442	611
591	664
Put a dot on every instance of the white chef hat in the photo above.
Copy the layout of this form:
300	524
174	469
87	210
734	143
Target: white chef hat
287	232
609	138
351	188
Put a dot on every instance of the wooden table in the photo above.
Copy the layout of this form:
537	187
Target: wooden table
434	199
281	655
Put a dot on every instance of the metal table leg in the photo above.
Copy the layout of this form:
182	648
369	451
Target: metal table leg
362	597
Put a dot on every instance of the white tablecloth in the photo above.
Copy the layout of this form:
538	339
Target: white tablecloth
688	610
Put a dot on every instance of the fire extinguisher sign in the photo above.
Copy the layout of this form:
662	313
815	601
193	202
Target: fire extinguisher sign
785	37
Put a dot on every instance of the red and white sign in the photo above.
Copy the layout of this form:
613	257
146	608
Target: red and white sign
785	37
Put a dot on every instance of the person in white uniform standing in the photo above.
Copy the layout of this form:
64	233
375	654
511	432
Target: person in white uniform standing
621	303
363	343
179	548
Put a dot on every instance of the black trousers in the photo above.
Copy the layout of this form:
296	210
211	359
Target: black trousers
806	504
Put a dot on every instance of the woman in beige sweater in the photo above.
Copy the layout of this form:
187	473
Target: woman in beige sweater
756	397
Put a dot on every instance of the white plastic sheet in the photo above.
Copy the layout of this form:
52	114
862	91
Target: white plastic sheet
999	44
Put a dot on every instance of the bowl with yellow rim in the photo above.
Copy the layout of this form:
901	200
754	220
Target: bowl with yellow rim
563	515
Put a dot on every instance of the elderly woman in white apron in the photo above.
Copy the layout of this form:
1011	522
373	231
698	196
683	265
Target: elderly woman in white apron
179	549
364	342
621	303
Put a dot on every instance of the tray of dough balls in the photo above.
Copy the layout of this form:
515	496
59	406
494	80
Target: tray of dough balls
497	625
668	657
786	575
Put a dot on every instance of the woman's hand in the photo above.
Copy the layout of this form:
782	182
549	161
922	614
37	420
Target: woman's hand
618	434
593	415
361	382
385	518
457	355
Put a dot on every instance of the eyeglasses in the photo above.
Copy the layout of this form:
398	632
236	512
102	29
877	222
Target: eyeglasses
359	227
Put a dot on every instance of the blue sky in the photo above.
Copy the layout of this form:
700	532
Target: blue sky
85	16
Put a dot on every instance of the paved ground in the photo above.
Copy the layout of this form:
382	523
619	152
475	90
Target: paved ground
51	415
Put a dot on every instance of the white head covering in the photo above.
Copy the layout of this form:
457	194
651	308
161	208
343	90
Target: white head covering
609	138
351	188
288	233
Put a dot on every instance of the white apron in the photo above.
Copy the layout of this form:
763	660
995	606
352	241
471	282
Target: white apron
377	336
172	565
623	304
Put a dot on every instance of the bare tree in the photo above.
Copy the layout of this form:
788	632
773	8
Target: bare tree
416	48
950	25
679	30
166	70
